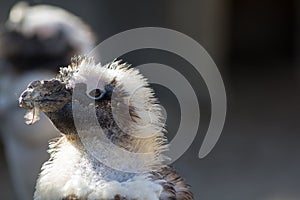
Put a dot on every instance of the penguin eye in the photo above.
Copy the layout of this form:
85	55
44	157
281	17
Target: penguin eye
96	94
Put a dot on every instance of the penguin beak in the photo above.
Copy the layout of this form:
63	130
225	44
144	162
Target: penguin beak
47	96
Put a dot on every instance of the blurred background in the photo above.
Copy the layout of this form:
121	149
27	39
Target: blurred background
256	46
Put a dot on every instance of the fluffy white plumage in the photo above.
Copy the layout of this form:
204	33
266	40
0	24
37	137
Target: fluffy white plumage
64	176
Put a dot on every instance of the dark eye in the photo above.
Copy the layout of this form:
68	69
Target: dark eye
96	94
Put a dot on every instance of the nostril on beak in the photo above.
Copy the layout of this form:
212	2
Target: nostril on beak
34	84
24	94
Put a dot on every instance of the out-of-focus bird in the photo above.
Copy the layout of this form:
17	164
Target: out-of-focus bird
34	41
43	35
129	164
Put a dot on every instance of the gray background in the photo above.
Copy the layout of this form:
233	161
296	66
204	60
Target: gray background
256	47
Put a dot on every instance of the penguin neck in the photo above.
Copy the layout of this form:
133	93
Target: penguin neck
104	172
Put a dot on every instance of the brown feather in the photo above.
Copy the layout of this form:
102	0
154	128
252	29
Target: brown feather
71	197
174	187
118	197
